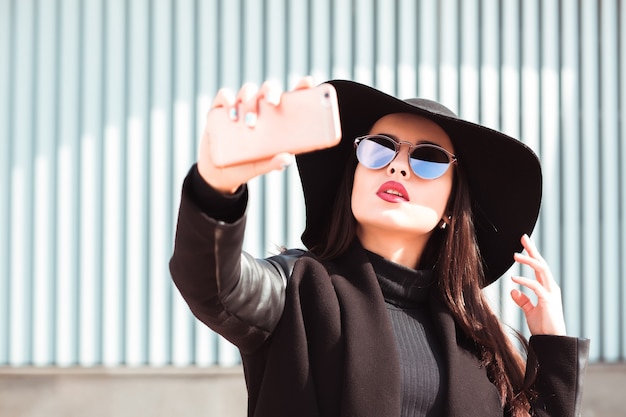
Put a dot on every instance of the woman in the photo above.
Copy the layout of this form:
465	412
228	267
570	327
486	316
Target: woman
408	218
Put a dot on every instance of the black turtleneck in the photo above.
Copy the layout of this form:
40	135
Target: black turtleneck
406	293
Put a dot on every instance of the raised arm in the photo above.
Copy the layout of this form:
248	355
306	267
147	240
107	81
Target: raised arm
557	362
240	297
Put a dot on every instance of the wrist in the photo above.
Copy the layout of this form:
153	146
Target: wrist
212	178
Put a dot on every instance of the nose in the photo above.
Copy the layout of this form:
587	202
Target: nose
400	164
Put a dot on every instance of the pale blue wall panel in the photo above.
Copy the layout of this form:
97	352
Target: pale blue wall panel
363	50
67	253
570	189
590	184
90	183
609	181
469	60
103	108
114	180
6	142
385	28
163	191
407	39
490	52
21	196
45	186
320	39
137	165
427	49
449	52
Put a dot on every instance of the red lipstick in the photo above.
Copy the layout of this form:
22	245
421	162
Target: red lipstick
393	192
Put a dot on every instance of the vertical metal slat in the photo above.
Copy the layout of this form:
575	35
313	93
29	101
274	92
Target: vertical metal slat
6	145
608	274
590	238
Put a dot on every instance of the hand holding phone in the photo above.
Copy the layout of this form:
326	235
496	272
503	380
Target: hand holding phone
233	150
304	120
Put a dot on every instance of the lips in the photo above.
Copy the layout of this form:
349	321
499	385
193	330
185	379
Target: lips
393	192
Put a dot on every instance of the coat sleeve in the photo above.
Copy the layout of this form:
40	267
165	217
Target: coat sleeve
237	296
560	364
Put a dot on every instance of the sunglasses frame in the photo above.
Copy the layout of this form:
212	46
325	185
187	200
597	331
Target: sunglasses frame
397	145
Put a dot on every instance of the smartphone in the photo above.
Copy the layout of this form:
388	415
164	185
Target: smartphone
305	120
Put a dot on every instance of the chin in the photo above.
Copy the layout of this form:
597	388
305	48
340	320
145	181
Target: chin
398	224
415	218
412	218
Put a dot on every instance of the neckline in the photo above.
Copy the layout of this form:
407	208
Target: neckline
401	286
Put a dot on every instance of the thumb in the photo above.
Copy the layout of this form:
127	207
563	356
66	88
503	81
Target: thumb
276	163
283	160
522	300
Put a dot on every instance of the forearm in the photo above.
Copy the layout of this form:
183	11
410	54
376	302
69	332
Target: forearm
234	294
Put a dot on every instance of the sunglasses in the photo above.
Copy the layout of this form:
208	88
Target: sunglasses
428	161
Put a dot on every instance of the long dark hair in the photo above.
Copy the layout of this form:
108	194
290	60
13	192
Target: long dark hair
454	256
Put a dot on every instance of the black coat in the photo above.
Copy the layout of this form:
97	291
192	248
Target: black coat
332	352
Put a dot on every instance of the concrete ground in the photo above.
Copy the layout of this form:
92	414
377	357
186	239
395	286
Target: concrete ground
215	392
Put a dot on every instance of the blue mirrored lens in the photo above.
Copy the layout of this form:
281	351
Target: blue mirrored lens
427	169
375	153
429	162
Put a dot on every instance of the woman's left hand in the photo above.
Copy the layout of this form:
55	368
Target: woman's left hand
546	317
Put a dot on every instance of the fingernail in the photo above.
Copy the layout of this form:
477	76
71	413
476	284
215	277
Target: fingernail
287	160
273	97
250	119
232	113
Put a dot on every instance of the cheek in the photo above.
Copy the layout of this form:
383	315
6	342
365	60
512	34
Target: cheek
434	195
444	194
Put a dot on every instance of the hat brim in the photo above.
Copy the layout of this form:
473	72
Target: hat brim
504	174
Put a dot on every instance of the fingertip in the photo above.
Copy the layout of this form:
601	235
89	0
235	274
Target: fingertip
272	92
273	97
283	160
528	243
247	92
225	97
516	296
524	240
305	82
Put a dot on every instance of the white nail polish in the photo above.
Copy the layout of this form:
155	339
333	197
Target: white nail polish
273	98
288	160
250	119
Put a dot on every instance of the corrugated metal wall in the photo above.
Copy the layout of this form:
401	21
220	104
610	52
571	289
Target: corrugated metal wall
102	103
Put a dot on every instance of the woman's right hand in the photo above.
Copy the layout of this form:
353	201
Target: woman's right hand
244	105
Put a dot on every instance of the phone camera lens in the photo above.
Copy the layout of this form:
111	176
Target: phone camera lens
326	99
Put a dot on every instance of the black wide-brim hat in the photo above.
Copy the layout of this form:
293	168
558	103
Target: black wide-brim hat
504	174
